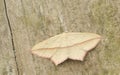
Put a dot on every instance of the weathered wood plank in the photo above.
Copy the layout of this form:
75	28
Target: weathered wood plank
7	57
35	20
20	37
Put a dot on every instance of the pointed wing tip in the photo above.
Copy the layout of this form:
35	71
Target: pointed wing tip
99	36
80	59
34	52
99	39
33	49
96	35
56	63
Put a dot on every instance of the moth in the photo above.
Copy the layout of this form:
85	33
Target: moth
68	45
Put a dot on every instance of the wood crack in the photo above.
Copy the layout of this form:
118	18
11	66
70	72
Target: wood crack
11	33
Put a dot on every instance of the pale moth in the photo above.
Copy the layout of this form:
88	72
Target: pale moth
68	45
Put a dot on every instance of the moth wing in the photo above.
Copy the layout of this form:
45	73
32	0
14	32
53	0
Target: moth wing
88	45
76	53
44	53
52	42
59	56
72	45
76	38
79	51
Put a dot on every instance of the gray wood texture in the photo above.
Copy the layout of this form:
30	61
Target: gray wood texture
24	23
7	56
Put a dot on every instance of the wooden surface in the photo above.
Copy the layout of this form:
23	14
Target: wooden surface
24	23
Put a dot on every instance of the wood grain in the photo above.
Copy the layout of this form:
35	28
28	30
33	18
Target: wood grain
32	21
7	56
